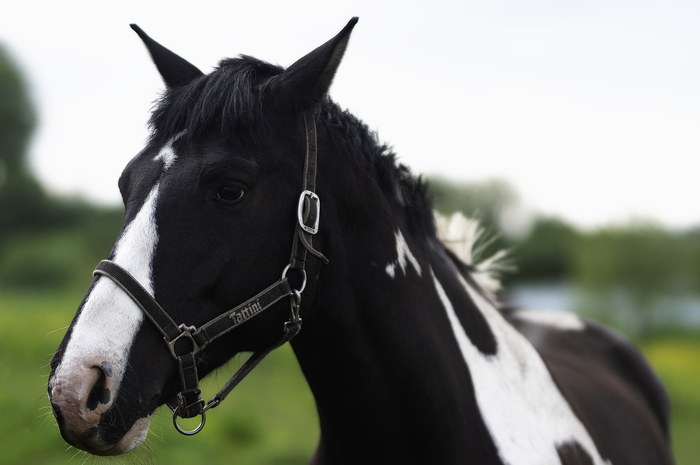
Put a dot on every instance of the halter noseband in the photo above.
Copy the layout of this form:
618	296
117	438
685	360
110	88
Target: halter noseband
185	342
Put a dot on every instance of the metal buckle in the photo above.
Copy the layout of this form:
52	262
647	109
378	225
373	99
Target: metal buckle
313	201
185	331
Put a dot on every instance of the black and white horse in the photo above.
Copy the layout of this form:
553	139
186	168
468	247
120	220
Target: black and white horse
407	357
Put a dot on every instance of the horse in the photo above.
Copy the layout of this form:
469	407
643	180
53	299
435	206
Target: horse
407	354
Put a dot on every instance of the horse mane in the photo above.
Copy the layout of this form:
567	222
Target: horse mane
407	193
230	97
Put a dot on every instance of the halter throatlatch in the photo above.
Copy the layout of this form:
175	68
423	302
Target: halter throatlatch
185	342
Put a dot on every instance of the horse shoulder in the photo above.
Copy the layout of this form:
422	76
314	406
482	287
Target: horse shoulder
606	380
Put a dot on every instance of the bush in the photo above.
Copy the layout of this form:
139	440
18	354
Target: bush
45	261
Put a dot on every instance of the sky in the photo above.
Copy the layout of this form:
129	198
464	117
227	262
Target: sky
590	110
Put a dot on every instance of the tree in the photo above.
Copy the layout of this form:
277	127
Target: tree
22	200
546	253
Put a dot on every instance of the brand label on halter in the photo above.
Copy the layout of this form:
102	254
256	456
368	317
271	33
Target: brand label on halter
246	313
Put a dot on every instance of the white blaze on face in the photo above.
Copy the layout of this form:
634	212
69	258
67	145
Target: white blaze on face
523	409
109	320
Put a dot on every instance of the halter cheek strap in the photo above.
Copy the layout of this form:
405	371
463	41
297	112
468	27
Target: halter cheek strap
185	342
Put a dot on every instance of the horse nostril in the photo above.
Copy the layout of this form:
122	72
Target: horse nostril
107	369
100	394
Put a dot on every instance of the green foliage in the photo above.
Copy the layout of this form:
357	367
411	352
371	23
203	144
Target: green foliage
643	258
17	115
546	253
59	255
45	243
21	198
632	270
32	262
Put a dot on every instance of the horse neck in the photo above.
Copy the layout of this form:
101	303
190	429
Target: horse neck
372	349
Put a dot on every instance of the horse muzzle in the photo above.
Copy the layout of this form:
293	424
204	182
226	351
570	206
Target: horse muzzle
81	398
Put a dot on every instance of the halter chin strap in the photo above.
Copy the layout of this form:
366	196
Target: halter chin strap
185	342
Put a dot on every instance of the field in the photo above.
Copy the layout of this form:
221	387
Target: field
269	419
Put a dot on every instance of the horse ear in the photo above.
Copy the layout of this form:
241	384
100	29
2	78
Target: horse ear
175	70
304	84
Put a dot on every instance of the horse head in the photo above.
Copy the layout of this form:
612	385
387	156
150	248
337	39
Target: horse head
212	212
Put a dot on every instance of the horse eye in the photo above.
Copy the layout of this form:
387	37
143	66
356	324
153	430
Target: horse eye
230	194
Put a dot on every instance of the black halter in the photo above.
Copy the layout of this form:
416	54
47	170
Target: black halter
185	342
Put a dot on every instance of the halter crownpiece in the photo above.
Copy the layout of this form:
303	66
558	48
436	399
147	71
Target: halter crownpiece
185	342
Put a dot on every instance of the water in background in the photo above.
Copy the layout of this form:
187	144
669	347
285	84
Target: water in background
616	306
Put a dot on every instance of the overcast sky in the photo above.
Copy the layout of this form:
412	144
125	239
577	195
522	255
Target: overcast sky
591	110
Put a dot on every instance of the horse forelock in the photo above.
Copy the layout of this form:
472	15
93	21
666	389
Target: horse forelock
227	99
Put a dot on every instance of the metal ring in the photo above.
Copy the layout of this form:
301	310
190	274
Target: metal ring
303	283
183	431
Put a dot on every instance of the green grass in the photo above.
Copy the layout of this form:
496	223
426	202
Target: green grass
677	361
269	419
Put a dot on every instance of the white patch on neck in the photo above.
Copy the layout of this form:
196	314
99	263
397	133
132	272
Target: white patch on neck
521	406
391	270
109	320
560	320
404	256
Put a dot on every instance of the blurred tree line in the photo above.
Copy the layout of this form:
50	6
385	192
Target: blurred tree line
45	242
634	275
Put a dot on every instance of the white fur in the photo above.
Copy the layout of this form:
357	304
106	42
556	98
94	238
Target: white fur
524	411
404	257
466	239
109	319
560	320
167	154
